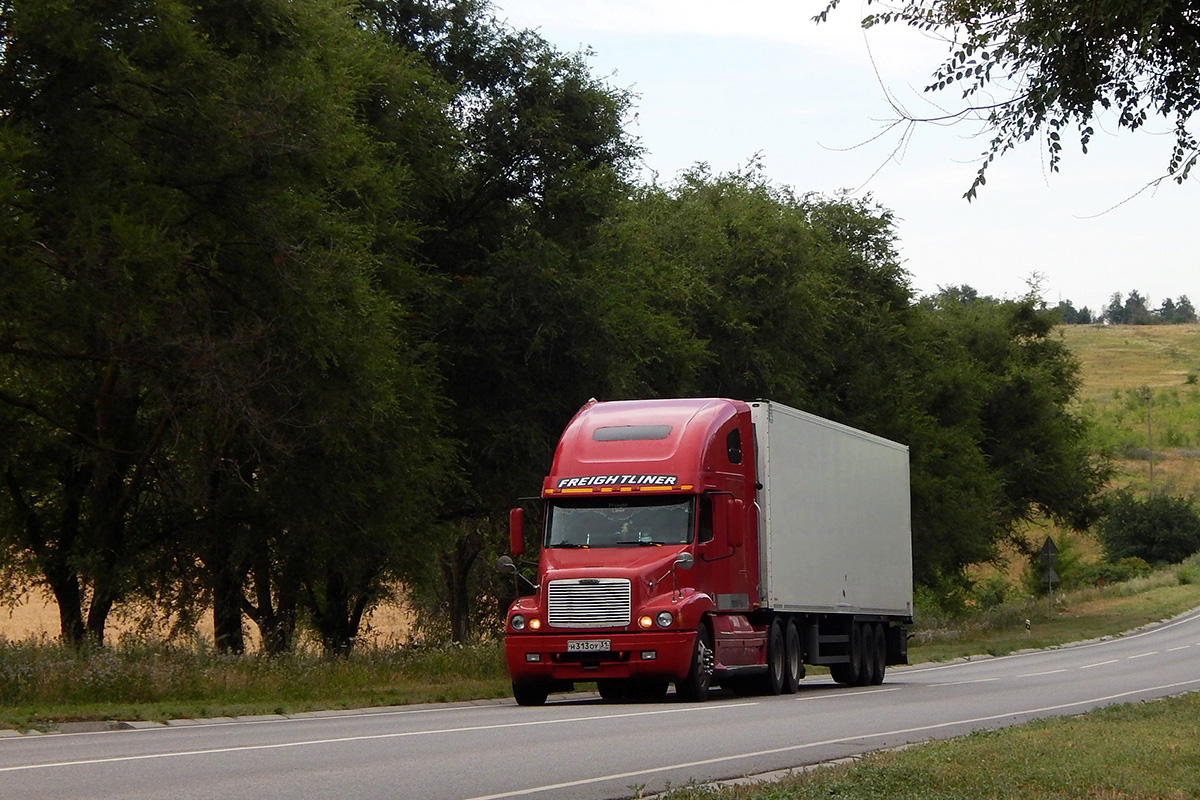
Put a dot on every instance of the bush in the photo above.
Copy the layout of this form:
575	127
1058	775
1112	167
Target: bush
1105	572
1189	572
1161	528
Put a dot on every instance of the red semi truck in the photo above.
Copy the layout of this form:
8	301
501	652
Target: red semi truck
712	541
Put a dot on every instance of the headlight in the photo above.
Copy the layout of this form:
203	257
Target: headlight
664	619
517	622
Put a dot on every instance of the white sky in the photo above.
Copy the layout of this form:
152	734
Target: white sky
719	81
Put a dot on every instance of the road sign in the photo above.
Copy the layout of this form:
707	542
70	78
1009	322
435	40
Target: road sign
1049	553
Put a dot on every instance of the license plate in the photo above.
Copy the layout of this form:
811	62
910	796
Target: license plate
588	645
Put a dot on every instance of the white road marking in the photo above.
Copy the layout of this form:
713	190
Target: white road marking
1177	649
960	683
1101	663
1142	655
795	748
369	737
1102	643
204	724
1036	674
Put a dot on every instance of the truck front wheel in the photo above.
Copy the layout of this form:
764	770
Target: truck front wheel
530	694
694	687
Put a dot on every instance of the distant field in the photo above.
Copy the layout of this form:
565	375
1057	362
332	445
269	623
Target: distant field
1118	357
1121	364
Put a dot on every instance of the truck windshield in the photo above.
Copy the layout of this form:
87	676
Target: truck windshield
620	522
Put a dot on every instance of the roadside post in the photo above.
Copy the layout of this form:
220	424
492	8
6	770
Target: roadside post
1048	556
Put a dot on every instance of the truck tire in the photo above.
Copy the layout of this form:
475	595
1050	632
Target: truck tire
651	690
880	654
793	658
856	671
530	694
858	664
867	675
613	690
775	678
694	688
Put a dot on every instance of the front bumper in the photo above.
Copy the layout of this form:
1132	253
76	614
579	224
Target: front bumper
536	657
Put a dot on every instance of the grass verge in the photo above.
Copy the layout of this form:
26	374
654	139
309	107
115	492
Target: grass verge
43	685
1129	752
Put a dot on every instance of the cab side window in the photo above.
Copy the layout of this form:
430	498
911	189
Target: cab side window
733	444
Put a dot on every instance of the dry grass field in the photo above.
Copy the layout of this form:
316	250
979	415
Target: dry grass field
1120	363
1118	357
36	617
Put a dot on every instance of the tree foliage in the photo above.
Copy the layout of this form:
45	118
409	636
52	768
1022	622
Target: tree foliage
1040	70
298	296
193	298
1135	310
1159	528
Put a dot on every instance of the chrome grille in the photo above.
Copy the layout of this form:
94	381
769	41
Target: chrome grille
589	603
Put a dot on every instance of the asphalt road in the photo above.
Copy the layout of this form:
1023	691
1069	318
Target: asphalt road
584	748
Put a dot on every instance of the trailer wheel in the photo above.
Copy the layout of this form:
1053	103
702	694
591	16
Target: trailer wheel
880	654
694	687
794	659
530	694
858	663
869	658
773	682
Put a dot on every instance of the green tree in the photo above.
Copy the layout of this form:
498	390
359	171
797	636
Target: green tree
1021	380
1160	528
1069	315
1031	70
196	304
526	323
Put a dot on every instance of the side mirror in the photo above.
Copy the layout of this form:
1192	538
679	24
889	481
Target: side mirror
505	565
516	531
685	560
735	521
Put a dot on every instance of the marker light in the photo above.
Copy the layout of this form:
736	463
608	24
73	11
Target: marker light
645	622
535	624
664	619
517	622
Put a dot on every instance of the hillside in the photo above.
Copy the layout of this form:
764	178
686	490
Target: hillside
1120	363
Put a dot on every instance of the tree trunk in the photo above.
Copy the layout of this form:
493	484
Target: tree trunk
456	572
275	612
227	608
62	580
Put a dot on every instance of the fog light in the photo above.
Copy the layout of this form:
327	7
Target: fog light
517	622
645	622
534	624
533	656
664	619
649	655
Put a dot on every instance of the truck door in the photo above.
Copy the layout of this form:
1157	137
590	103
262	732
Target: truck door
733	579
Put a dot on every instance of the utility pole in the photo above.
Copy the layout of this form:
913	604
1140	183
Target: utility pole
1148	396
